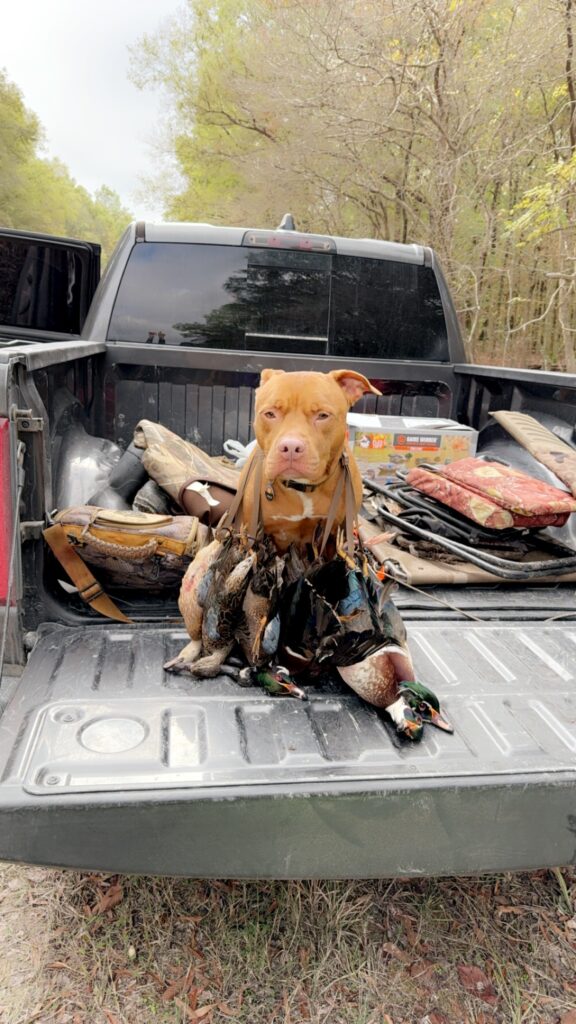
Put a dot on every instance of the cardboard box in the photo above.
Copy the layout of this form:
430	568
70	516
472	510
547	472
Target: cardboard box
383	444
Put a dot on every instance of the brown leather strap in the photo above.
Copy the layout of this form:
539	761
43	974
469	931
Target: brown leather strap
351	514
344	482
258	473
233	519
332	509
88	587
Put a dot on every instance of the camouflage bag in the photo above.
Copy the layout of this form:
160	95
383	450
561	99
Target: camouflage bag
203	486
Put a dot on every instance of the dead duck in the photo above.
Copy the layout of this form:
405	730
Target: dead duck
276	680
410	704
336	615
379	676
386	677
258	630
195	579
210	602
377	680
222	611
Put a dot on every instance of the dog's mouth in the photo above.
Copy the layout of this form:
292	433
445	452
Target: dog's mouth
300	472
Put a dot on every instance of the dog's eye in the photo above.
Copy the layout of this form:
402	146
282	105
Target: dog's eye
269	414
322	415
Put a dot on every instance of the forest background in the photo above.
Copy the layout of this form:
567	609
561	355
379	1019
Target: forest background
450	123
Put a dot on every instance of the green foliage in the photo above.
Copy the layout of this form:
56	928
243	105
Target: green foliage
199	58
40	195
19	137
545	208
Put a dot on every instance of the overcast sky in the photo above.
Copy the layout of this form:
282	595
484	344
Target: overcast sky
70	59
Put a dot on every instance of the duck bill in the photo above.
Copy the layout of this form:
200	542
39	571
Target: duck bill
439	721
291	690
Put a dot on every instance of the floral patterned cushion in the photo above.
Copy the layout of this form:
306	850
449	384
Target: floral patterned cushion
494	495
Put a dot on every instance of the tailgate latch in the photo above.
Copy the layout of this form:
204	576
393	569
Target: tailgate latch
25	421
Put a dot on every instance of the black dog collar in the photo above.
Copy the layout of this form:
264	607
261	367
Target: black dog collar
296	486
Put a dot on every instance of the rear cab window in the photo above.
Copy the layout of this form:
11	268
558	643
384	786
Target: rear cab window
279	300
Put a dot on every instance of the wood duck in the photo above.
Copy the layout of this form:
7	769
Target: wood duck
276	681
421	707
387	680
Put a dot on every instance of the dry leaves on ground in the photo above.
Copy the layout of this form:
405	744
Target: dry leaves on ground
477	983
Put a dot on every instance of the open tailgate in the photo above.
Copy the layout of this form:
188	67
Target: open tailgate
108	762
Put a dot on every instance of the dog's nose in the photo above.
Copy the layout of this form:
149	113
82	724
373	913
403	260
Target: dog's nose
291	447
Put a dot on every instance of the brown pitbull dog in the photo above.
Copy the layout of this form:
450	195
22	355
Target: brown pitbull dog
300	426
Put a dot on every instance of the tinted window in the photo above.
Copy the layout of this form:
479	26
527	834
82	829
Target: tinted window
279	300
41	285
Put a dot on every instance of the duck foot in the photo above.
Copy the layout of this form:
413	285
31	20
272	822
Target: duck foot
183	662
211	665
229	669
189	662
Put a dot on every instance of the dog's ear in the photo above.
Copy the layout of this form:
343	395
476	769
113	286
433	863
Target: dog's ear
267	374
353	384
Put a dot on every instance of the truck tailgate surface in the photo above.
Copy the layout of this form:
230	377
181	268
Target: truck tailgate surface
96	722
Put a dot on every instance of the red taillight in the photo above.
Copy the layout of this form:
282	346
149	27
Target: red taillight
6	510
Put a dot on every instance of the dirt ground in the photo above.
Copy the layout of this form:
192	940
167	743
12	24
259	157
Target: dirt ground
100	949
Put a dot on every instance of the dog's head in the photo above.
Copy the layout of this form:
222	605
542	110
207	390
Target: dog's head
300	420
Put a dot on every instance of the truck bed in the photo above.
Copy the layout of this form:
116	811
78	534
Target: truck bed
108	762
99	740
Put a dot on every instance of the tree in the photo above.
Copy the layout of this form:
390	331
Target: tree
40	195
19	137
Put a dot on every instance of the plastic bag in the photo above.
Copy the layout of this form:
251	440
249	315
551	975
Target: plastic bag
84	465
239	452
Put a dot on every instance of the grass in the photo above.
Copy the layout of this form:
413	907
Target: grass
97	949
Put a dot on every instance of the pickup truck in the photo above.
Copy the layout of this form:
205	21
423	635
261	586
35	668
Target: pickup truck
108	762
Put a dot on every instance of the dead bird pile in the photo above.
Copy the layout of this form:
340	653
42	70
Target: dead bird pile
303	609
271	619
